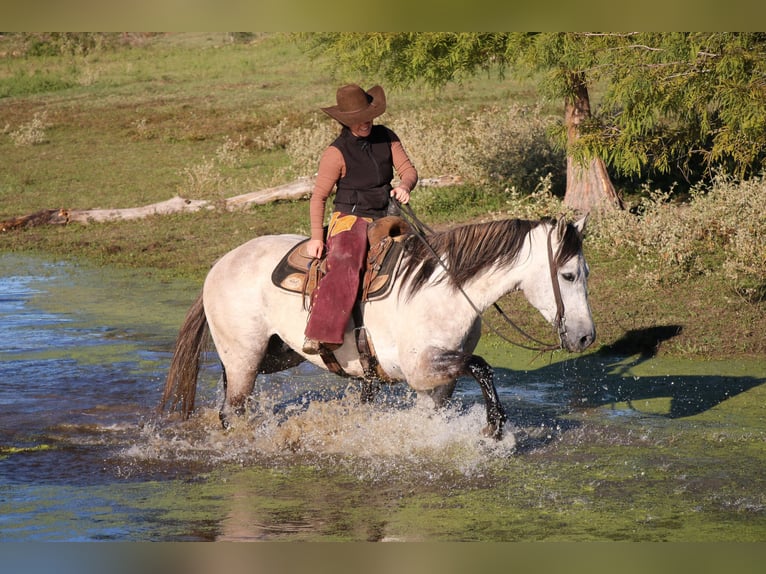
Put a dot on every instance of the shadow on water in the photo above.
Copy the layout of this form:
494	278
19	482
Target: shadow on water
689	395
545	397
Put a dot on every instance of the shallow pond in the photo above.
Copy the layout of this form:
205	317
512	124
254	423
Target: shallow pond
615	445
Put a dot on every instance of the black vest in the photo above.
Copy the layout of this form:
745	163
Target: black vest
366	187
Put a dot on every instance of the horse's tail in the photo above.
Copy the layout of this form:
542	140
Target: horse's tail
181	384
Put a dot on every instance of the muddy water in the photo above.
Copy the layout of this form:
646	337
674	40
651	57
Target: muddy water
617	445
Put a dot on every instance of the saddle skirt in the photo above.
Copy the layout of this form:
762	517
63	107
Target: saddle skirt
299	273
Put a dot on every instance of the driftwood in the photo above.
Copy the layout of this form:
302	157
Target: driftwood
294	190
301	187
174	205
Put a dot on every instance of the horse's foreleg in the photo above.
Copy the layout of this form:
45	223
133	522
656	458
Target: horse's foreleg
445	366
484	375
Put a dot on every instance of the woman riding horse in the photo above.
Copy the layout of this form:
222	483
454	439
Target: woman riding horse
360	165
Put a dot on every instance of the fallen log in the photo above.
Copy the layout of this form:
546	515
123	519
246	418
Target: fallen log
57	216
294	190
304	186
174	205
289	191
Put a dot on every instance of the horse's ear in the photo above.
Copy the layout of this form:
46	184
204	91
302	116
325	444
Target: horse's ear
580	223
561	227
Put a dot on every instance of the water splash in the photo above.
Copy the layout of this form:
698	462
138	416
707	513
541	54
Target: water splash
372	441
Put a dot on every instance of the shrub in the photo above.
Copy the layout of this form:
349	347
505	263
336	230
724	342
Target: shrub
506	147
32	132
70	43
305	144
721	228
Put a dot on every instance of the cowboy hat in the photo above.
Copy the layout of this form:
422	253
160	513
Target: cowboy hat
355	106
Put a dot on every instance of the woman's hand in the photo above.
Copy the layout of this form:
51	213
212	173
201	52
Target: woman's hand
401	194
314	248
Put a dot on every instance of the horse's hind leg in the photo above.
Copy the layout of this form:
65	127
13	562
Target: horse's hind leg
238	385
224	411
239	374
440	395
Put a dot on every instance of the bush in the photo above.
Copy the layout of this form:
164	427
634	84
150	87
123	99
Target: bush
721	228
506	147
70	43
32	132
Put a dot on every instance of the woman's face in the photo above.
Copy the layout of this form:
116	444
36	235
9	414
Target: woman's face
361	130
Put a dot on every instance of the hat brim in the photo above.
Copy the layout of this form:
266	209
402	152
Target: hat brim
376	107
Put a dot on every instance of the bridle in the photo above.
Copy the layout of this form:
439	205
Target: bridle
421	230
560	320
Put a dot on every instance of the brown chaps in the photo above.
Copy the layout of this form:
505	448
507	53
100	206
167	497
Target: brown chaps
333	299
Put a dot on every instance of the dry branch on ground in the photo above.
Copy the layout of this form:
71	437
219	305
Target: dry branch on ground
294	190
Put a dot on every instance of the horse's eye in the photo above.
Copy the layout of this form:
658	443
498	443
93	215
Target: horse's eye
568	277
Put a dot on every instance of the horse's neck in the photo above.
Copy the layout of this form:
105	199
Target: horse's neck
487	287
498	280
483	290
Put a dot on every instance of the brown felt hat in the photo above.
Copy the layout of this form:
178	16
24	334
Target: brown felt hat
355	106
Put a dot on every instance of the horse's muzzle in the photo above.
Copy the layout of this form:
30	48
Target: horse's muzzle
577	342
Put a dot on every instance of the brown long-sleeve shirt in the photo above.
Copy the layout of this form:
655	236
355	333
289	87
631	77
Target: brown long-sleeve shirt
332	167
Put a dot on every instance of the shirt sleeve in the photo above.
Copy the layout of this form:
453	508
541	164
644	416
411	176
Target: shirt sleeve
404	167
331	167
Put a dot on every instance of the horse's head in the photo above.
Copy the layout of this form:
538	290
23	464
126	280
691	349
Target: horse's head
558	287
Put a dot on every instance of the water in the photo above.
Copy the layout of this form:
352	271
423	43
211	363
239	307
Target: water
603	447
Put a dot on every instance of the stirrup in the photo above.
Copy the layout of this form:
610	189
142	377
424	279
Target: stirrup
314	347
311	346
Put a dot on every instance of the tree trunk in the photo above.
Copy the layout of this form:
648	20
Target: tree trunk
589	188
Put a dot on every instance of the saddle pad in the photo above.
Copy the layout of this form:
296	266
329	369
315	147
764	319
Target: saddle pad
290	272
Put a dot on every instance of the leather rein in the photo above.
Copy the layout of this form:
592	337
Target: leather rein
421	230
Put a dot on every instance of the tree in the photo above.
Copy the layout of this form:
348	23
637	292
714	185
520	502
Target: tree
683	103
568	61
438	58
688	103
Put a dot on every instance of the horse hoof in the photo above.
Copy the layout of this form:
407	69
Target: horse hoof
493	431
226	411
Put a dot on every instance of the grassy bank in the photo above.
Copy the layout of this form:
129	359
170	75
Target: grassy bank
207	117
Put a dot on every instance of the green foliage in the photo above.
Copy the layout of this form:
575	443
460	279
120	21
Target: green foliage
687	103
403	57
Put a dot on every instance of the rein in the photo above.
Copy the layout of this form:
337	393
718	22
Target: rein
560	320
420	231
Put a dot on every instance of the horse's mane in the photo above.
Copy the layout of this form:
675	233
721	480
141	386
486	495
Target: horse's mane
470	249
